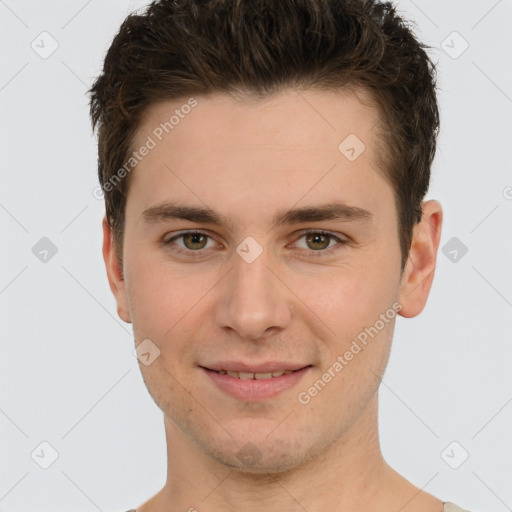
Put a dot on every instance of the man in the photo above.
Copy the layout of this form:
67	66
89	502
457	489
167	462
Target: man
264	166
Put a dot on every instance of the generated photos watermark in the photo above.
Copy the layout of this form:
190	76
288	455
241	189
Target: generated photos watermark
305	397
157	135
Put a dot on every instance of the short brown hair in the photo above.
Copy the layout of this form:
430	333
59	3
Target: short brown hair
178	48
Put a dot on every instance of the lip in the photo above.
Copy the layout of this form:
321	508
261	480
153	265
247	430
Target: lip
269	366
254	389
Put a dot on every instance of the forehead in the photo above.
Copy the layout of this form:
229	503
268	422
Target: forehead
207	148
291	118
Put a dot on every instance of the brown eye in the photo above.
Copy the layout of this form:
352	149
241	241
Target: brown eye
194	241
318	241
190	243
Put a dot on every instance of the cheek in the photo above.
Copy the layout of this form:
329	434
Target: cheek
358	346
165	300
351	303
352	296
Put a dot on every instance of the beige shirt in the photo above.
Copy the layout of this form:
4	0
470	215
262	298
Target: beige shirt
450	507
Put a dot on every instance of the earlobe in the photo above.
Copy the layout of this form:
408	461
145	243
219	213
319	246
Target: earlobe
114	273
419	271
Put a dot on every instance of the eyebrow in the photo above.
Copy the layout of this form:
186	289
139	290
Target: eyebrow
331	211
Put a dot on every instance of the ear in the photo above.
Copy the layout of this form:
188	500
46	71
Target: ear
115	273
419	270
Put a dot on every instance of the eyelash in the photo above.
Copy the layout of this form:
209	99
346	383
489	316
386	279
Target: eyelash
319	253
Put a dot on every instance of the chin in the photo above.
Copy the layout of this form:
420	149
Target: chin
259	454
275	464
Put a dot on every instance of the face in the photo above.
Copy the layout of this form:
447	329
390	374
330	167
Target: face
295	256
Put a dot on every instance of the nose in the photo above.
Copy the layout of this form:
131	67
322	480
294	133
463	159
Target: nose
253	301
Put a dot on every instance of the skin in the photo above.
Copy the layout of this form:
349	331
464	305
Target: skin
248	160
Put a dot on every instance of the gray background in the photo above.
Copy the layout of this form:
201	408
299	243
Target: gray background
68	374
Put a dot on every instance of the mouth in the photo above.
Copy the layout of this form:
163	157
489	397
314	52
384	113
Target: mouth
256	385
255	376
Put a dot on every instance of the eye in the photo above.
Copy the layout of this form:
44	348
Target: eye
193	241
320	242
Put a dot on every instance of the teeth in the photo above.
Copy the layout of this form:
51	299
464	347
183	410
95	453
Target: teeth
262	376
278	373
257	376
